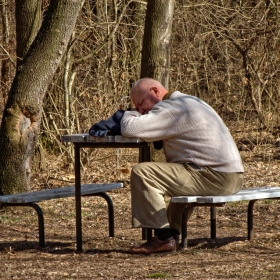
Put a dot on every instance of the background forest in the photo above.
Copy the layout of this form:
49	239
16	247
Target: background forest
225	52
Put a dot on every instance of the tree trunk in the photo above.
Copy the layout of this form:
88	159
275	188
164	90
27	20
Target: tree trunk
7	63
155	62
135	31
28	22
22	114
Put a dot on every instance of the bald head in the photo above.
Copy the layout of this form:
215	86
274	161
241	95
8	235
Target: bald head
145	84
145	93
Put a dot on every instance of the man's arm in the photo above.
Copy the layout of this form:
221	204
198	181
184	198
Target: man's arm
151	127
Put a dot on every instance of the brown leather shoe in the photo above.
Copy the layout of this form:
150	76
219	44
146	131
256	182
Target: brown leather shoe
155	246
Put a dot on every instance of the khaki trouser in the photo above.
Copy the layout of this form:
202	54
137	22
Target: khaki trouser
151	181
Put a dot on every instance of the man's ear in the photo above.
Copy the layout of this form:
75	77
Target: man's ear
155	90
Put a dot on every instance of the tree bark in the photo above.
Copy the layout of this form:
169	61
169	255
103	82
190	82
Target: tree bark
22	114
155	62
135	31
7	64
28	22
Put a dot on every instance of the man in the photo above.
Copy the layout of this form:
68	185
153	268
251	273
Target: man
202	158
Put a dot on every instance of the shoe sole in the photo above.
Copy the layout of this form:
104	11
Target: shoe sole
163	253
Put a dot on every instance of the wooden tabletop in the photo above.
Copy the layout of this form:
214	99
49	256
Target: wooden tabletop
85	137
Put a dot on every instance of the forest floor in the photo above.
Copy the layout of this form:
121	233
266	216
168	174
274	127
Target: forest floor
230	256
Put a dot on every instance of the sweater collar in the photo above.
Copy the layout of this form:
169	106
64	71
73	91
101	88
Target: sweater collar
168	94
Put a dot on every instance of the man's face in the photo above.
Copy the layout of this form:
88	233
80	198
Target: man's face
145	100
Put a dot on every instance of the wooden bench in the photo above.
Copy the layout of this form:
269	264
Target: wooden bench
32	198
251	195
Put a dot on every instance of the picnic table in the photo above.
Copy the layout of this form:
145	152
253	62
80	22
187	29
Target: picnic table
87	141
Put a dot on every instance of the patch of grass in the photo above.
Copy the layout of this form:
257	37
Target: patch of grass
16	215
269	201
158	275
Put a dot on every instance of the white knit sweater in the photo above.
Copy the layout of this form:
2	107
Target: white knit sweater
191	131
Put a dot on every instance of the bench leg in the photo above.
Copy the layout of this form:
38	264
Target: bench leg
40	223
250	222
40	220
110	212
185	217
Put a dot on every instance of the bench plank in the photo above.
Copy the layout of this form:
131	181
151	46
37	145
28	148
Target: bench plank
184	199
37	196
245	194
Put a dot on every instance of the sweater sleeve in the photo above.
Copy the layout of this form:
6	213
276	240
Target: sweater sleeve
150	127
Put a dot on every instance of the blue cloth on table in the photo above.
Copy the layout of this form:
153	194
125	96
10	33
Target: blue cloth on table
112	127
108	127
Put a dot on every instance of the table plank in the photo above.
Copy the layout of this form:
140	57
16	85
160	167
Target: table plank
85	137
74	138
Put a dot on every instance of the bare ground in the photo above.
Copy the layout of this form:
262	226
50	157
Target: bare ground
230	256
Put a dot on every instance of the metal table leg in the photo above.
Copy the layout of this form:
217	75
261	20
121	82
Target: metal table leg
213	222
145	156
78	198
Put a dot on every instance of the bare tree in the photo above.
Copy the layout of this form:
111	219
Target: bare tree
28	22
155	62
8	63
22	115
